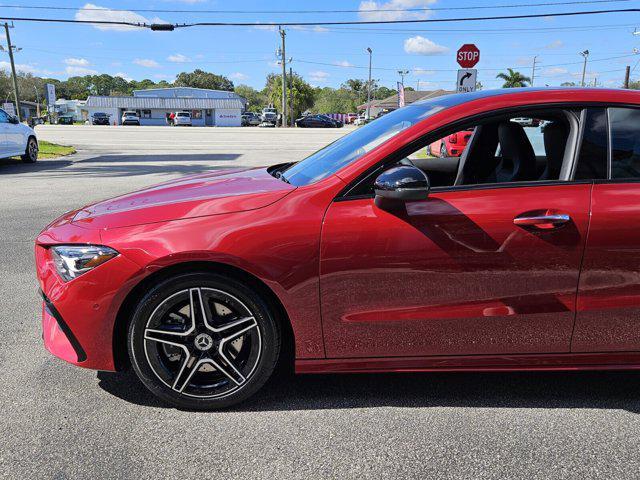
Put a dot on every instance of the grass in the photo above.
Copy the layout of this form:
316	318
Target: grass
53	150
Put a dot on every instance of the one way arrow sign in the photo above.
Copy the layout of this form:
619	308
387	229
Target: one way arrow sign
466	80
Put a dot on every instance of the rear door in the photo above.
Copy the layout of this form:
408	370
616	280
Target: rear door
608	308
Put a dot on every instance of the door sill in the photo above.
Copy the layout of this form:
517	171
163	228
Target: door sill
474	363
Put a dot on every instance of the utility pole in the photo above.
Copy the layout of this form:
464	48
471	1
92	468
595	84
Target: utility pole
16	95
283	59
585	54
291	115
369	85
37	101
533	69
627	74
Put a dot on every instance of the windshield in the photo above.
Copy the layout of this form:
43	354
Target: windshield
345	150
182	114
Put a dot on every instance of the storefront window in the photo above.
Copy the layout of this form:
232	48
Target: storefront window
197	114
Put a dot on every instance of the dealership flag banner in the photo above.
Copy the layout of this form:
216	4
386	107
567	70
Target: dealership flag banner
400	95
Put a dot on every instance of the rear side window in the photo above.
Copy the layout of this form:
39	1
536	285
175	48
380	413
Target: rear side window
592	162
625	142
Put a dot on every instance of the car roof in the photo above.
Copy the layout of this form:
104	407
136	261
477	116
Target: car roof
542	94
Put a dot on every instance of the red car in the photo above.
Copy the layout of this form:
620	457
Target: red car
450	146
359	259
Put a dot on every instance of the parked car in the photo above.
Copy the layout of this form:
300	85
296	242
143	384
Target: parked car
318	121
365	258
361	120
65	120
269	114
450	146
351	117
527	121
100	118
19	139
250	119
182	119
130	118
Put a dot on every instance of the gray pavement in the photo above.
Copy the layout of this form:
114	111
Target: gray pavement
63	422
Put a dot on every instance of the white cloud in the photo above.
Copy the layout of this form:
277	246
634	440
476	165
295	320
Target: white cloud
400	7
269	28
555	71
343	63
419	71
238	76
20	67
555	45
146	62
78	62
273	64
162	76
123	75
423	46
178	58
318	76
92	13
73	71
314	29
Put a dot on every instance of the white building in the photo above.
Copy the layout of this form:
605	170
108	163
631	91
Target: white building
70	107
207	107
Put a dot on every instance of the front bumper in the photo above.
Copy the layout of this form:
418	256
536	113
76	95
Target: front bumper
78	317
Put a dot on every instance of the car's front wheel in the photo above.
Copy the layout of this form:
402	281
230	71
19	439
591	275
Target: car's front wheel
31	151
203	341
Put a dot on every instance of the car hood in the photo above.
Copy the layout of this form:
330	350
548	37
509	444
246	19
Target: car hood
215	193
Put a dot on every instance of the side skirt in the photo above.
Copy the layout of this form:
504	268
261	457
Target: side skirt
478	363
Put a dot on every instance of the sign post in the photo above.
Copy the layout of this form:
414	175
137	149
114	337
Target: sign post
51	98
468	56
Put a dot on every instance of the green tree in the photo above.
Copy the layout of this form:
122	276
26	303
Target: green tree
201	79
634	85
513	79
256	100
303	93
330	100
383	92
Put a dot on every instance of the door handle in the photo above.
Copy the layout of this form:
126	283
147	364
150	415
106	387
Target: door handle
542	219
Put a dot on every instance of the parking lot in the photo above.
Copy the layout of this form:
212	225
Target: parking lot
61	422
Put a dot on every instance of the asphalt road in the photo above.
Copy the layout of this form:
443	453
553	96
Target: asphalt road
62	422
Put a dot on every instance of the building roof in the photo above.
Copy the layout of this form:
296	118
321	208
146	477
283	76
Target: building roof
148	103
410	96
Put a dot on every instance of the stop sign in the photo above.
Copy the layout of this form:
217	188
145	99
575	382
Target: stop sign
468	55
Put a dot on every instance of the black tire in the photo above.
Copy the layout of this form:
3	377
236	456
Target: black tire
31	151
443	150
200	386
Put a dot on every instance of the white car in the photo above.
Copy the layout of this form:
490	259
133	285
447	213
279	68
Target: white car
130	118
361	120
17	139
182	118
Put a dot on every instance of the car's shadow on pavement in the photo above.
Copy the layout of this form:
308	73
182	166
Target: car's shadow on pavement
559	390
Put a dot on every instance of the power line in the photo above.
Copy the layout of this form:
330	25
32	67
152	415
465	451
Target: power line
365	10
163	26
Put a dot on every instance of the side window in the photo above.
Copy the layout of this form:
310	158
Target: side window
592	161
4	117
625	142
525	147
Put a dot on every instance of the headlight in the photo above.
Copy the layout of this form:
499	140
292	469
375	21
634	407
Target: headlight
73	260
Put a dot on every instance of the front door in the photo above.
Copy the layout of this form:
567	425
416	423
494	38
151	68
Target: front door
4	131
465	272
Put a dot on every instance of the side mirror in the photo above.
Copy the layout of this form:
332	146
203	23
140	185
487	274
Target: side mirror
401	184
13	119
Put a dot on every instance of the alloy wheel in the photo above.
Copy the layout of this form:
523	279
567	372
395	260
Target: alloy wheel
202	342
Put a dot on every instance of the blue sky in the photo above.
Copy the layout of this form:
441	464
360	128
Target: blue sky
328	56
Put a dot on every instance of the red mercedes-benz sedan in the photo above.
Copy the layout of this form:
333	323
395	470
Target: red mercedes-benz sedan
524	253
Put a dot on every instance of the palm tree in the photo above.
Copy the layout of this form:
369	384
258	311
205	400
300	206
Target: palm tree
513	79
